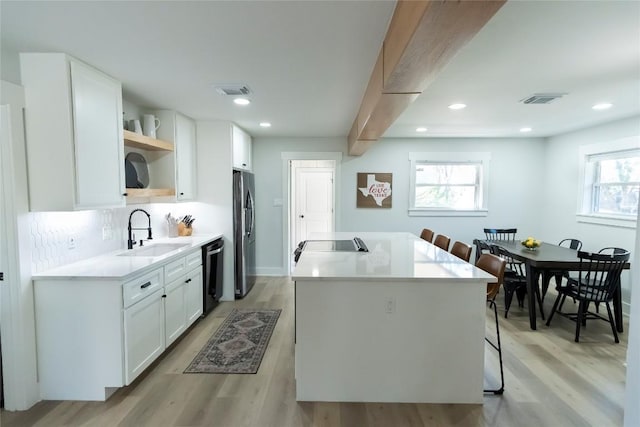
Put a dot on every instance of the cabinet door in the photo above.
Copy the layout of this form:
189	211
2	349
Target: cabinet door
175	314
194	295
246	149
98	139
143	334
186	158
241	144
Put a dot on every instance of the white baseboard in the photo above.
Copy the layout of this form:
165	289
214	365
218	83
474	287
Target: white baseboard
270	271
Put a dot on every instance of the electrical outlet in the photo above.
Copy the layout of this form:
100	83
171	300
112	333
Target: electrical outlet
107	233
71	242
390	305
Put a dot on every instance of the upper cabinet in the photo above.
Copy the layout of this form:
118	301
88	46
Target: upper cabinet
181	130
74	134
241	149
170	159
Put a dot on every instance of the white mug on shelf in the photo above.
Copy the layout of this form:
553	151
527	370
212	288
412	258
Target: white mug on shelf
150	124
134	126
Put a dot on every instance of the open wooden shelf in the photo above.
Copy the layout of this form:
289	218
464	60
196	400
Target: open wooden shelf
150	192
132	139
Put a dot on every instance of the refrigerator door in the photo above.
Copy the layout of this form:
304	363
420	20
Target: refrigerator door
244	232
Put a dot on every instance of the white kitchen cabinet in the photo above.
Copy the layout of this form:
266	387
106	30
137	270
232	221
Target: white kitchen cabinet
175	313
178	169
185	158
95	335
73	120
193	295
242	146
144	334
183	302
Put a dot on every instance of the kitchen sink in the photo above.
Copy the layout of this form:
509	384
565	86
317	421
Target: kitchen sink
154	250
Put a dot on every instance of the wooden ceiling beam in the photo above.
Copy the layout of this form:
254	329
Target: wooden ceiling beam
422	37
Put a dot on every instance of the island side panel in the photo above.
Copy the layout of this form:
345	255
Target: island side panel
350	349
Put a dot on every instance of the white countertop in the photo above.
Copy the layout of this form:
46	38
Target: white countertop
113	266
391	256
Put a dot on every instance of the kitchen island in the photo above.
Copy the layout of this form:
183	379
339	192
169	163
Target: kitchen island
404	322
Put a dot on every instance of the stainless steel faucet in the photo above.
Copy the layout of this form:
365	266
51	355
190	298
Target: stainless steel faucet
131	242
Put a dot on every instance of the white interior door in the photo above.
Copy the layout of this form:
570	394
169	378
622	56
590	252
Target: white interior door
314	201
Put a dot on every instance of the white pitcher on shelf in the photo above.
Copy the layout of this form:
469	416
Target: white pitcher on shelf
150	124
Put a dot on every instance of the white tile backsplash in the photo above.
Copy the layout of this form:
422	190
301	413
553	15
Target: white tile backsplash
51	232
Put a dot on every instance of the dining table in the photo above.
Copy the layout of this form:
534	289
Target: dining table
547	261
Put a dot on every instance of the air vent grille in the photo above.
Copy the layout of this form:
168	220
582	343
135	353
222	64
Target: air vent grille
542	98
233	90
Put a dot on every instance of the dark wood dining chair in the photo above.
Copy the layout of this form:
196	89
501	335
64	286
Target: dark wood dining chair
503	234
461	250
572	279
494	266
574	244
427	235
598	279
442	242
515	281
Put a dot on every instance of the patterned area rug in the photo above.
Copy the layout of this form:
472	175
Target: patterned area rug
238	345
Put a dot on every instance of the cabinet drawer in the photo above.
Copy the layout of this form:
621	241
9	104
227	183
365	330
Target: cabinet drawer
174	270
137	289
194	259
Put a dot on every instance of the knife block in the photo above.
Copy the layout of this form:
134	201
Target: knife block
184	230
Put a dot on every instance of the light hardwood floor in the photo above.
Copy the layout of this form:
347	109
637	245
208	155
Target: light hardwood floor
550	381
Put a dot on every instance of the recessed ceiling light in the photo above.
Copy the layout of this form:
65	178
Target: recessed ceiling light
602	106
242	101
525	129
457	106
421	129
265	124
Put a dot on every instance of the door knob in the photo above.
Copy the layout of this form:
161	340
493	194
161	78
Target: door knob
301	216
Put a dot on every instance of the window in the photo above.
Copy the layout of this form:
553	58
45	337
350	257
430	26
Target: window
611	183
446	184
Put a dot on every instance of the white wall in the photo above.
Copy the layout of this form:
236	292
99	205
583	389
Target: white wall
513	191
513	200
16	311
560	198
267	167
632	409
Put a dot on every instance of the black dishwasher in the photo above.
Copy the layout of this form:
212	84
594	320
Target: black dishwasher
212	261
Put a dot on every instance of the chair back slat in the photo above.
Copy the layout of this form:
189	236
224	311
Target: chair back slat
574	244
514	266
599	274
504	234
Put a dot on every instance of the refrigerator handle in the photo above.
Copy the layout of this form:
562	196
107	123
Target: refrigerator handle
249	210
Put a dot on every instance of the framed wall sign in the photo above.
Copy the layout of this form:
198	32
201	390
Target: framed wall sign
373	190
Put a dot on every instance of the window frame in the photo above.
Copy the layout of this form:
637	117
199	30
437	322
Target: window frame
453	158
588	183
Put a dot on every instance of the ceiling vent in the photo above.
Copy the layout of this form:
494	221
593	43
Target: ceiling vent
542	98
233	90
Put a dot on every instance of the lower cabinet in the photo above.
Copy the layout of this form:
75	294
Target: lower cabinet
175	313
144	333
96	335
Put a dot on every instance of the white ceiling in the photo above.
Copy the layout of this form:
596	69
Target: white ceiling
308	62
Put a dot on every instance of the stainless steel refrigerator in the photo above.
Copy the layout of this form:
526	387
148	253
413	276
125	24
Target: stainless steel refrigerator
244	236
